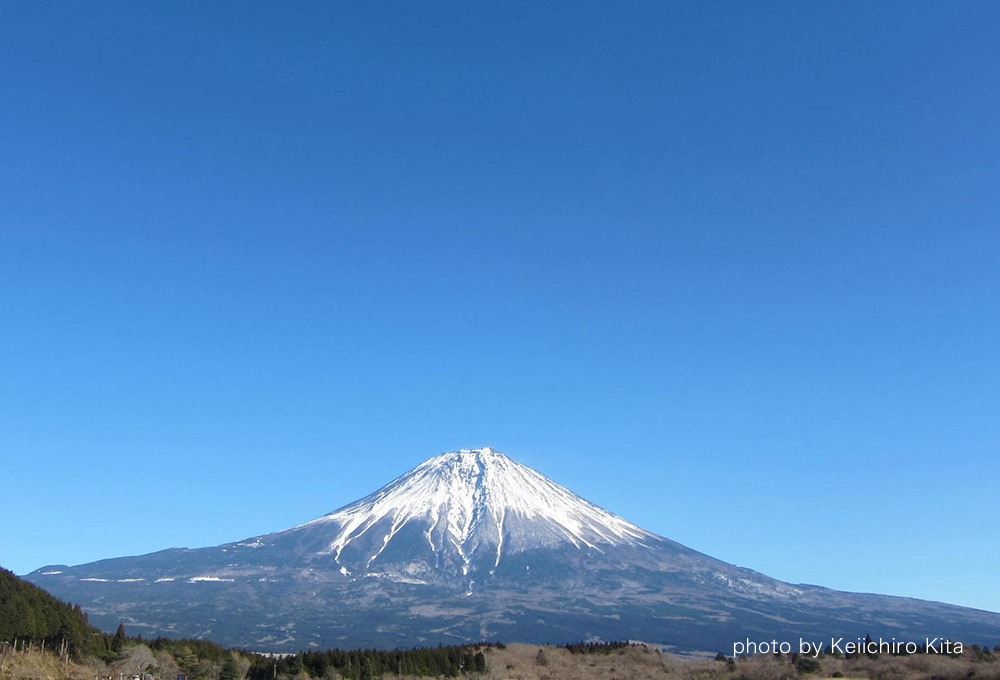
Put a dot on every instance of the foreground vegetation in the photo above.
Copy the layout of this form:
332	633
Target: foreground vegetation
199	660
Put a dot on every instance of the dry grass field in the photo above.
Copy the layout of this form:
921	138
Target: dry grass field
534	662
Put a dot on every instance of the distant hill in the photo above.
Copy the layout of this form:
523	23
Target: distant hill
29	613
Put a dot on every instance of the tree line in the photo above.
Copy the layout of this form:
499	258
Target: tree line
30	614
365	664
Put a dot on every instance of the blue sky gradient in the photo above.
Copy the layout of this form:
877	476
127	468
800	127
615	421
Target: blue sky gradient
730	270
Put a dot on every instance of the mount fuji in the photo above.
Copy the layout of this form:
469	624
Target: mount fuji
471	545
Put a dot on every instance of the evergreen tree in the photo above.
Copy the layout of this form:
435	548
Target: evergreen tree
230	671
29	613
119	640
367	668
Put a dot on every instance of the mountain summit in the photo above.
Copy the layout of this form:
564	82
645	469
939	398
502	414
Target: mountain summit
471	545
463	511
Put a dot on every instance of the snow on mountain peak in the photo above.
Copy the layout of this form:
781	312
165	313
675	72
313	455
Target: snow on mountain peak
473	505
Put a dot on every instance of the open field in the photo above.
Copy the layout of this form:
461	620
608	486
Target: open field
534	662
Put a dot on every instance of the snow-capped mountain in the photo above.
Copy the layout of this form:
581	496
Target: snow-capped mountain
471	545
464	511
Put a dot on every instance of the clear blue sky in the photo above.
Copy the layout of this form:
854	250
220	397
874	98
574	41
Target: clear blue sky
730	270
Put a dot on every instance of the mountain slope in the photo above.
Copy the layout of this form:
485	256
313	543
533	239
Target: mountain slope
472	545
